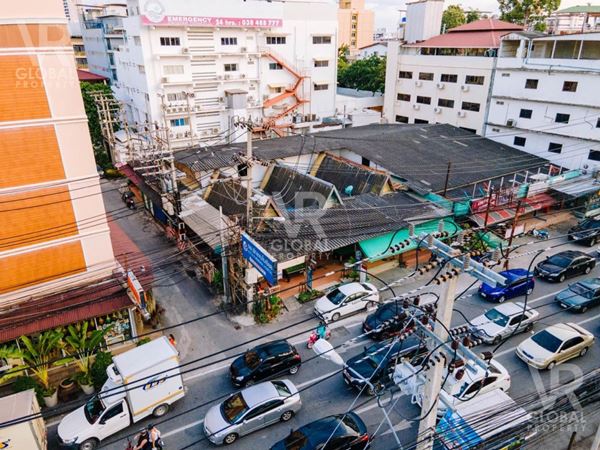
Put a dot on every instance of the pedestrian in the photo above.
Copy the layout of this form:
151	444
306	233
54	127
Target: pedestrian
172	340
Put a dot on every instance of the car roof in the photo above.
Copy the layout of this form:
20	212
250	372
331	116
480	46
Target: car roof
592	283
509	309
326	426
351	288
260	393
571	254
515	274
274	347
562	331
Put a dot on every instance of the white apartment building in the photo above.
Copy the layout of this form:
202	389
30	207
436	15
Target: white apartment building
545	98
103	33
446	78
576	19
198	67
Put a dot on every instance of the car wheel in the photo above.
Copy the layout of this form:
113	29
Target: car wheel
592	241
529	291
230	438
89	444
335	317
528	328
583	351
562	278
551	365
294	370
371	305
501	299
287	416
160	410
496	340
588	269
583	309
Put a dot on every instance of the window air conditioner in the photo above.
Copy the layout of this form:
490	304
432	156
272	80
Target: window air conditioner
416	106
418	83
440	85
464	88
243	49
437	110
511	123
461	114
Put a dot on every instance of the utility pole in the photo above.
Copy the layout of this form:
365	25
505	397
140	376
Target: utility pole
512	233
487	208
447	178
249	180
224	268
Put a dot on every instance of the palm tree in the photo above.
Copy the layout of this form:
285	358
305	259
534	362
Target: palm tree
39	353
83	346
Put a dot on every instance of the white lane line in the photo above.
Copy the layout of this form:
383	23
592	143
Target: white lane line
314	380
209	371
183	428
364	409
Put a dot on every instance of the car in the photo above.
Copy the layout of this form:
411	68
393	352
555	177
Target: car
580	296
518	282
250	410
586	232
346	299
384	321
554	345
339	432
377	362
501	321
265	361
564	265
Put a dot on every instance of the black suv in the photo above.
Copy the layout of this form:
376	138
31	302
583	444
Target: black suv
586	232
388	320
564	265
378	361
265	361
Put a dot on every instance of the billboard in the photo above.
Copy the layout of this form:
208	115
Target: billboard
204	21
260	259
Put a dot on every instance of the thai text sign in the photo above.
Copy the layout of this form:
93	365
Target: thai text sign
260	259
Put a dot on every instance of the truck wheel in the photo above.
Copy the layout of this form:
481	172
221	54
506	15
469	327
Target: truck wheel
160	410
90	444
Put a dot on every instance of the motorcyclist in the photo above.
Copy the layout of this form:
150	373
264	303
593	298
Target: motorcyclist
322	330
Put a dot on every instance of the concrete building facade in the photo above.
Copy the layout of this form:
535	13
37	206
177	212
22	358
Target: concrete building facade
356	25
576	19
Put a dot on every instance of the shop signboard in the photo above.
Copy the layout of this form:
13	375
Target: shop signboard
261	259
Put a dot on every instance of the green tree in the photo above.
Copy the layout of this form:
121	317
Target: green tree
365	74
531	13
453	17
83	345
472	16
39	354
87	91
342	61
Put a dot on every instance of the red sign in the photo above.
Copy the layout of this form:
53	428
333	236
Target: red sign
199	21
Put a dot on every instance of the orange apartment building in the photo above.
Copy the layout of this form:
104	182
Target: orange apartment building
356	25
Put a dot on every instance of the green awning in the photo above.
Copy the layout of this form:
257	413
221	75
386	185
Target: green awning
374	248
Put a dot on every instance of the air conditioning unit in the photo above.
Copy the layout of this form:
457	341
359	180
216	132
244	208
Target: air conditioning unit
250	98
215	131
418	83
440	85
243	49
185	50
219	77
265	97
437	110
164	79
198	108
461	114
221	99
227	77
180	135
416	106
511	123
464	88
205	133
242	75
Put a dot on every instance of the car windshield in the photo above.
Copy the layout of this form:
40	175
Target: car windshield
252	359
559	261
375	360
296	440
336	296
582	290
93	409
587	224
282	388
547	341
233	408
387	313
493	315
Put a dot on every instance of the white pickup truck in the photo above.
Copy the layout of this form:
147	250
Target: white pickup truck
141	382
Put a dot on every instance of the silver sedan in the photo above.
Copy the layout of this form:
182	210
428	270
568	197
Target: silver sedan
251	409
504	319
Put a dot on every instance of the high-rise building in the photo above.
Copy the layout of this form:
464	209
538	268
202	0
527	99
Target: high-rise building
356	25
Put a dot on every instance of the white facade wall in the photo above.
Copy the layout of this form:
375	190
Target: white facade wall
423	20
436	89
372	50
511	100
196	68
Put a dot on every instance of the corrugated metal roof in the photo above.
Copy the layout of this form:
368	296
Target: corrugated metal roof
204	220
577	187
343	174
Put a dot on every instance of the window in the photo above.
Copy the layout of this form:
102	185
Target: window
141	69
421	121
562	118
469	130
598	123
404	74
113	412
469	106
230	67
275	66
173	70
169	41
505	74
321	39
427	76
570	86
526	113
228	41
446	103
531	84
321	87
180	122
499	102
404	119
404	97
137	41
594	155
322	63
175	96
474	79
423	100
449	78
520	141
365	161
553	147
572	342
275	40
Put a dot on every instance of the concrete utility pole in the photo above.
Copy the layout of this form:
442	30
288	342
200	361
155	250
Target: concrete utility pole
249	180
512	233
224	267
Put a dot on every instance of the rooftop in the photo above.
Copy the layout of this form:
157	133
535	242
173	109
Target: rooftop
349	92
90	77
580	9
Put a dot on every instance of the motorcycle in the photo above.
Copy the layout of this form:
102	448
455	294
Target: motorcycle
543	235
314	337
129	199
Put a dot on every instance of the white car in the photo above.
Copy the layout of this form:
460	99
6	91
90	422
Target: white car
345	300
501	321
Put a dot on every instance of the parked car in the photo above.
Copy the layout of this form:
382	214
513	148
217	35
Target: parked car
265	361
580	296
501	321
376	363
250	410
384	322
587	232
518	282
343	431
564	265
554	345
346	299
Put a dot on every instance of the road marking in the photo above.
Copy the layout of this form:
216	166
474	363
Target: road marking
183	428
314	380
364	409
209	371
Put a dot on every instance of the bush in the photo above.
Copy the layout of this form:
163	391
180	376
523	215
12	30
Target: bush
25	383
143	341
307	296
98	370
112	173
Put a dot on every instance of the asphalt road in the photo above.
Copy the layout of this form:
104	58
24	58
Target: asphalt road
324	391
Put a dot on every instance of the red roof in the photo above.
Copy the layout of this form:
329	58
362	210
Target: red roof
90	77
486	25
128	254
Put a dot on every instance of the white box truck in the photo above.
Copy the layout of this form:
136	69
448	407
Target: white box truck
141	382
30	435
